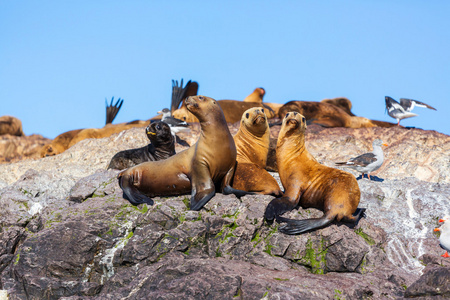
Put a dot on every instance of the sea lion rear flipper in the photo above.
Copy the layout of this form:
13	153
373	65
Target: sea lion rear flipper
131	193
112	110
238	193
300	226
226	185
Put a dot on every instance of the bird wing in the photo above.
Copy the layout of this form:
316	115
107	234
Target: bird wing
408	104
392	105
112	110
363	160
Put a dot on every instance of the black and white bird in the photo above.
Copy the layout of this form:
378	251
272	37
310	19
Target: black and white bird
444	239
402	110
367	162
176	125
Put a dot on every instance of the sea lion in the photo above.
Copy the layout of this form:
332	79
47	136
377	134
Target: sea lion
309	183
232	109
256	96
252	144
325	114
97	133
199	169
10	125
59	143
162	146
342	103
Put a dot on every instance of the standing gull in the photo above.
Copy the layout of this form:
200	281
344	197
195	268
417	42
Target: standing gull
367	162
176	125
444	239
402	110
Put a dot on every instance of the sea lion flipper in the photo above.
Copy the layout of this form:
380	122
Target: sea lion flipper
300	226
203	188
238	193
131	193
278	207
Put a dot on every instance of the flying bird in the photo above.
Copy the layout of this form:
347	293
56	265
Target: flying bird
367	162
444	239
402	110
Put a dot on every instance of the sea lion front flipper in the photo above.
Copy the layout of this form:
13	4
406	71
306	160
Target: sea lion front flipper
278	206
131	193
300	226
203	188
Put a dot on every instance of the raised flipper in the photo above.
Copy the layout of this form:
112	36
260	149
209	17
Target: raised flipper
178	94
112	110
131	193
300	226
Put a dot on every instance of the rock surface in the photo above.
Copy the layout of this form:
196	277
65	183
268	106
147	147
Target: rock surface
67	233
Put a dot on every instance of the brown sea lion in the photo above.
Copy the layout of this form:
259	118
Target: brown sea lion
10	125
97	133
162	146
256	96
309	183
59	143
325	114
342	103
199	169
252	144
232	109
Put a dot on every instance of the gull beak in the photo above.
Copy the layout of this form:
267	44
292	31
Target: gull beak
437	229
441	221
384	144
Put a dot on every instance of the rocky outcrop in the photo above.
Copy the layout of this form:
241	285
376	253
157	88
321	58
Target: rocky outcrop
66	232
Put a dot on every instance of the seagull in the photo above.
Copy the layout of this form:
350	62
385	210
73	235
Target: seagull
367	162
444	239
176	125
402	110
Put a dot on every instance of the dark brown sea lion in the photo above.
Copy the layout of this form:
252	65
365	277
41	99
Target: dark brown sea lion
325	114
252	144
10	125
342	103
198	169
162	146
309	183
59	143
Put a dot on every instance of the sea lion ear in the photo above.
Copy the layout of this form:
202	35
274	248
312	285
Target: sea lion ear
247	115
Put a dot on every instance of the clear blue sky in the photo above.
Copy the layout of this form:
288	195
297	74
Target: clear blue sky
59	60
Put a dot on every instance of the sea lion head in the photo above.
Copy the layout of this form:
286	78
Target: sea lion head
50	150
293	122
158	132
204	108
255	120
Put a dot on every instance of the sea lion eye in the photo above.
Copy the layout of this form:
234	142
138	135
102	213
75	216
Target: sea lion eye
184	118
303	119
247	115
201	98
158	127
286	115
262	110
